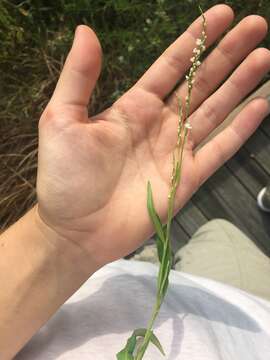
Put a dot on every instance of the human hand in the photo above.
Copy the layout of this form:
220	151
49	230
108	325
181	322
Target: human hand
93	173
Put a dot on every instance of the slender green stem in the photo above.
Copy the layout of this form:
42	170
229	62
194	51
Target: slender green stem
160	285
146	340
164	243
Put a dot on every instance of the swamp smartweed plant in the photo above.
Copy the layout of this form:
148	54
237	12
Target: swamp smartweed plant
140	339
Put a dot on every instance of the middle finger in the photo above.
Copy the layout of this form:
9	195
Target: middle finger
234	47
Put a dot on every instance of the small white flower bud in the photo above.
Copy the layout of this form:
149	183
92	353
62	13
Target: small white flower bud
188	126
198	63
199	42
130	48
121	58
192	59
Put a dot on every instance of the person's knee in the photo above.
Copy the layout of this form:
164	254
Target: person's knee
216	225
222	231
207	236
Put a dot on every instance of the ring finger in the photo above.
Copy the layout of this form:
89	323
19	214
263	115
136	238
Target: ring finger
216	108
235	46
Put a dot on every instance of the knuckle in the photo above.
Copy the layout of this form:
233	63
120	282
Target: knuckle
52	117
202	83
225	51
219	151
47	116
209	112
174	61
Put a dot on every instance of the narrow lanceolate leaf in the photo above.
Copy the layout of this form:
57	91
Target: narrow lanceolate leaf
154	340
166	262
127	352
124	355
153	214
160	244
165	278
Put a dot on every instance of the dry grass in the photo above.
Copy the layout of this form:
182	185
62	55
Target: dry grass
18	138
18	165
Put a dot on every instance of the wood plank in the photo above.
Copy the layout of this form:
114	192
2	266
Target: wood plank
259	148
265	126
230	194
223	196
191	218
210	204
248	172
179	237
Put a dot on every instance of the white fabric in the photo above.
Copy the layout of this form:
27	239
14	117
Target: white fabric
200	319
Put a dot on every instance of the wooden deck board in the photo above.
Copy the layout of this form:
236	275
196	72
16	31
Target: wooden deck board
179	237
266	126
248	172
223	196
191	218
259	148
231	193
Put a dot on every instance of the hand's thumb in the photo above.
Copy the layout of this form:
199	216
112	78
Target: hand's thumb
81	70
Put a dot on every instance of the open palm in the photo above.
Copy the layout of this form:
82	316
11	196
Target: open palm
93	173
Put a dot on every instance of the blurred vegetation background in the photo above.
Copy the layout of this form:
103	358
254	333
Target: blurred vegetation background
35	36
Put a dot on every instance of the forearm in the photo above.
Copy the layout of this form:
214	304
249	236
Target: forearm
38	272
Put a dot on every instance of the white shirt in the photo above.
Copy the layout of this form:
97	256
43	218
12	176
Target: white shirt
199	320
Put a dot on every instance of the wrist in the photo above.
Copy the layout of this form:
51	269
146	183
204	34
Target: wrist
39	271
71	253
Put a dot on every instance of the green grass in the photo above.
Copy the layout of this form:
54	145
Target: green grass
35	36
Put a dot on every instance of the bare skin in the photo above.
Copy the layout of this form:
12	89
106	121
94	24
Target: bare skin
103	163
93	173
